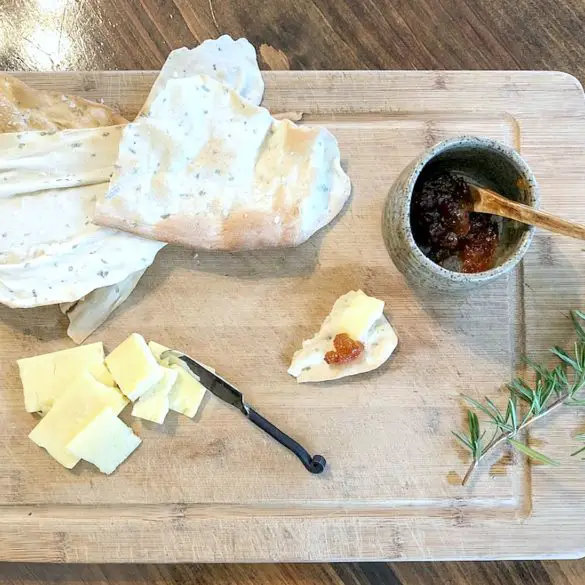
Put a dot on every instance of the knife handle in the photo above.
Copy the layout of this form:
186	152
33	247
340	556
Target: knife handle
315	464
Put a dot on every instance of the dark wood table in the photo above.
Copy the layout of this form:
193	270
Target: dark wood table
300	34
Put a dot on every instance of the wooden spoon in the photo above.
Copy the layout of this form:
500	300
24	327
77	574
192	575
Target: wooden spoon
487	201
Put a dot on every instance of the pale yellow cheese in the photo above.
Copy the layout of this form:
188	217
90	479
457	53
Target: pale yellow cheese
157	349
358	314
187	393
106	442
133	367
154	405
103	375
44	377
77	406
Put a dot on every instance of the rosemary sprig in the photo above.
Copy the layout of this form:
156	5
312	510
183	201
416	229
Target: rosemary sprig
551	390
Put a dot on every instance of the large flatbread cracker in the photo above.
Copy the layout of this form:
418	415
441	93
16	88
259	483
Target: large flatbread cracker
205	168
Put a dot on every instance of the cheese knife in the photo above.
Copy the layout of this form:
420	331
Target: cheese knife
231	395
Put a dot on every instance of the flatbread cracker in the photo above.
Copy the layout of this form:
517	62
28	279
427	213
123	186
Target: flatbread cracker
229	61
25	108
59	255
90	312
363	319
208	169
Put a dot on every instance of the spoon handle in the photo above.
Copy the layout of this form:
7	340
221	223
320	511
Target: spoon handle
486	201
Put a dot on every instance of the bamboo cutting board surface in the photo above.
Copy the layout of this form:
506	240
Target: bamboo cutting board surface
217	489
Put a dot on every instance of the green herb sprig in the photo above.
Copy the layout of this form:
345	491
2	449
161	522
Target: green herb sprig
528	403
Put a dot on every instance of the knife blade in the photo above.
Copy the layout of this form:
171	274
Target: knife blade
221	388
212	381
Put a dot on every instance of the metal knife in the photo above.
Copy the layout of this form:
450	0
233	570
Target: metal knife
228	393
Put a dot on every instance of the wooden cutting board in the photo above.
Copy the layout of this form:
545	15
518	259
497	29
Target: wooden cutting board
217	489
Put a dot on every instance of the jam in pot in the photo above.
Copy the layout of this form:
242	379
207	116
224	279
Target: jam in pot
445	228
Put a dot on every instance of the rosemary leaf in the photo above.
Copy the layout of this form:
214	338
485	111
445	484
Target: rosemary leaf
580	437
463	439
479	407
520	389
548	393
564	356
496	411
579	355
574	401
532	453
511	413
539	369
576	317
474	434
562	379
473	423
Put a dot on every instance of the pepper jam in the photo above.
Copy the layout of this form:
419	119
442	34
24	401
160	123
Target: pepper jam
346	350
444	226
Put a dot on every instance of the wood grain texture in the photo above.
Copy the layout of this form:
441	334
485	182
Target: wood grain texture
305	34
456	34
478	573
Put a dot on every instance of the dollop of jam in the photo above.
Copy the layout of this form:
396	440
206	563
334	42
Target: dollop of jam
346	350
444	226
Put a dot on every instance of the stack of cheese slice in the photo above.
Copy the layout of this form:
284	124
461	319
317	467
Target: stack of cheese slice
156	386
80	394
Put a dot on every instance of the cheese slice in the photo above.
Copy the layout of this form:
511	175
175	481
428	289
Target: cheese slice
154	405
133	367
44	377
106	442
357	313
77	406
362	318
187	393
157	349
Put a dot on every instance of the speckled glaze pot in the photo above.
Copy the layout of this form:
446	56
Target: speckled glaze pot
489	164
